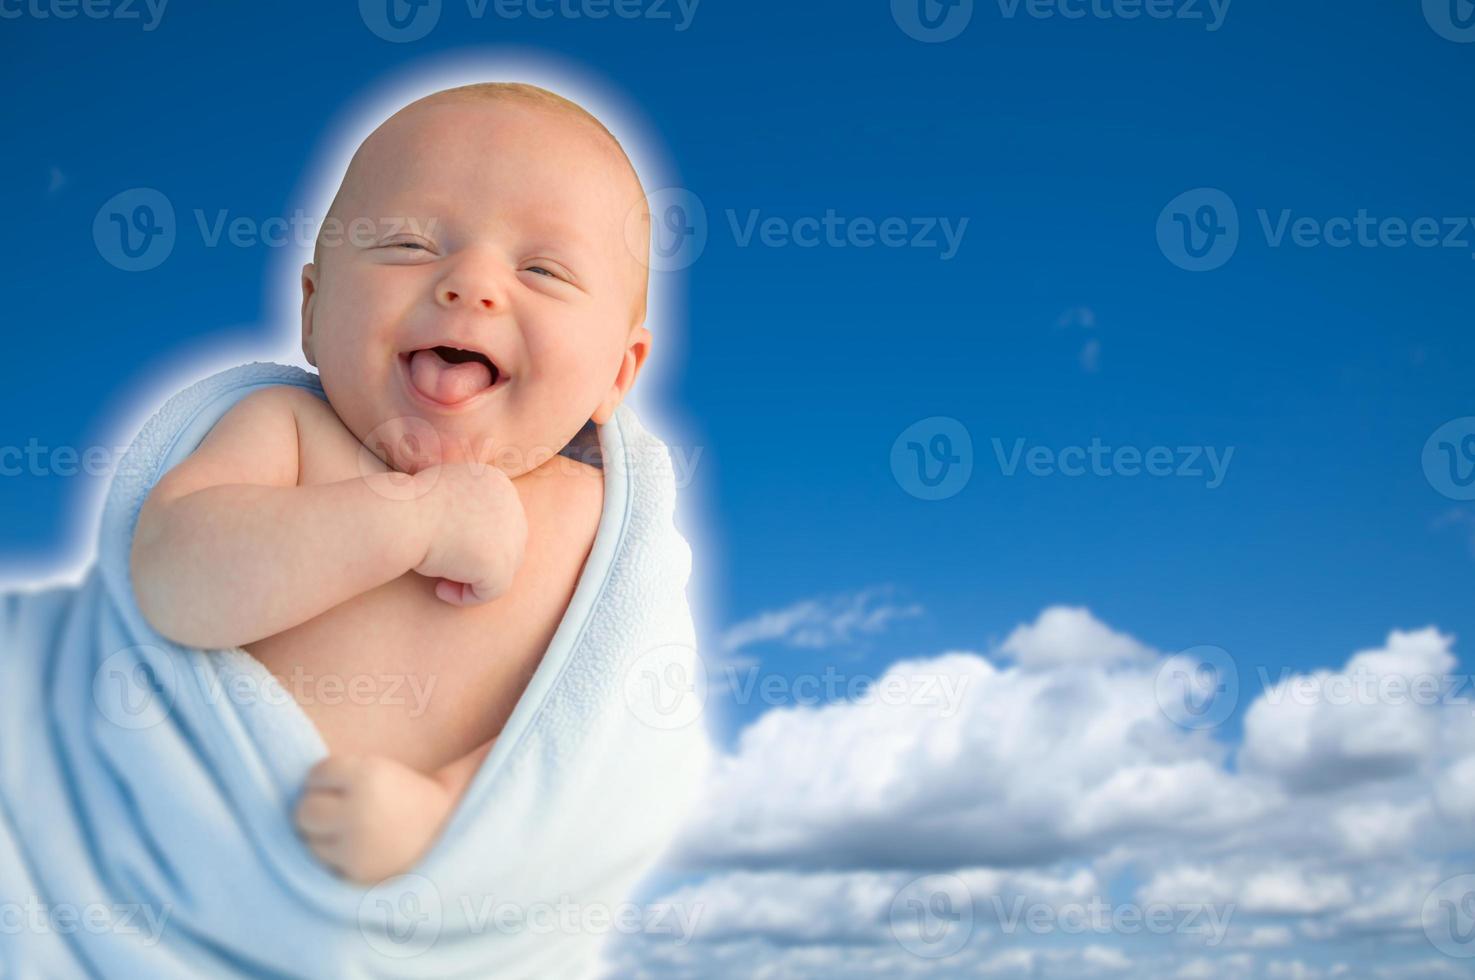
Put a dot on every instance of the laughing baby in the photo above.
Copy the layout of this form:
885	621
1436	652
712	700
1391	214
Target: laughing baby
421	521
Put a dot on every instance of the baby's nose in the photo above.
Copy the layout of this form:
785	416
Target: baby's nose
450	296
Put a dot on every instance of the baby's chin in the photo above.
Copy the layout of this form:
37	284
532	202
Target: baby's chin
410	444
409	439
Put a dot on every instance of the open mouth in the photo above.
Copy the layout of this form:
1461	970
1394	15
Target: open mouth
451	375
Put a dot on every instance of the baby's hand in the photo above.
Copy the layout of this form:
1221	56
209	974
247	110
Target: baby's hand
478	532
370	817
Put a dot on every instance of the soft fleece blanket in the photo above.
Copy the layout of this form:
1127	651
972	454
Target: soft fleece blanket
145	812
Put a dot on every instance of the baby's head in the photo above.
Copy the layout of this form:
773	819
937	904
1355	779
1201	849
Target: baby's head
498	303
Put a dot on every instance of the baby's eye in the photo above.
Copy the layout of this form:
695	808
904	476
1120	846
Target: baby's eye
408	245
555	272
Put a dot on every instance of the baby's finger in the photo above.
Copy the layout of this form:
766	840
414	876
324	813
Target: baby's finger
460	593
332	851
478	593
336	773
320	814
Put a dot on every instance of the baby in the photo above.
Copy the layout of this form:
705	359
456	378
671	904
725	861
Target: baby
421	523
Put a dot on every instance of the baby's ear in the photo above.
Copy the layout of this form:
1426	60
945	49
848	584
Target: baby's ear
636	350
309	294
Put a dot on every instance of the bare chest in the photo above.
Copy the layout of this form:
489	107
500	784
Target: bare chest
397	672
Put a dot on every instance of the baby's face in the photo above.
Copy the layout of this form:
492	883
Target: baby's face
497	229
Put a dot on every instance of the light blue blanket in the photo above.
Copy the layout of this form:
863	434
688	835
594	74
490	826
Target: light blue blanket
146	809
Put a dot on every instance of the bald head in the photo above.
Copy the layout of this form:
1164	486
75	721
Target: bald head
409	132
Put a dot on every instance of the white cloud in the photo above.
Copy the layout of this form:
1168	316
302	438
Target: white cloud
1059	773
1429	968
819	623
1198	968
1106	958
1294	891
1265	937
1091	356
1455	791
1366	722
1033	767
1370	829
1065	635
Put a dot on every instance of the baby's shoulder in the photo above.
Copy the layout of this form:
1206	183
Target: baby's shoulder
254	441
564	498
327	450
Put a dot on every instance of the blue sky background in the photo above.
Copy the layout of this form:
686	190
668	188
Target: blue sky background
1059	319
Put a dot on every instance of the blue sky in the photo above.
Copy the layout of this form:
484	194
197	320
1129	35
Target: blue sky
1057	319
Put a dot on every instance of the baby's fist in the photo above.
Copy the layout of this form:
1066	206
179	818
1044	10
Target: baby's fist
477	531
369	817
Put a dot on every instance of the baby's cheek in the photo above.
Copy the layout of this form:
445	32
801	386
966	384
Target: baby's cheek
564	365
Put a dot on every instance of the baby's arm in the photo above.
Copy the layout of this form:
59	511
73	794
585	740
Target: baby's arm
229	549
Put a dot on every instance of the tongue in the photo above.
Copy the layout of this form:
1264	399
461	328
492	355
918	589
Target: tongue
447	383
